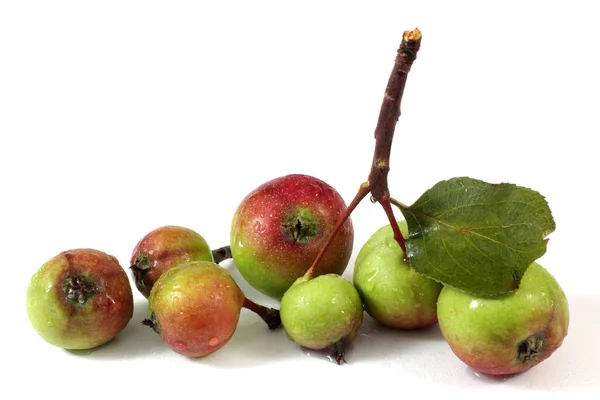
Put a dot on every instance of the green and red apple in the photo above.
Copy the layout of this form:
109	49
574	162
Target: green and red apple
394	293
162	249
279	228
508	334
195	308
79	299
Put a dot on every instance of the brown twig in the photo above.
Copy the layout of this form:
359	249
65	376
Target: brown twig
386	125
377	183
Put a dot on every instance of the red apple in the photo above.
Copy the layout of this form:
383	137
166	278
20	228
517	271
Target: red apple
280	227
162	249
195	308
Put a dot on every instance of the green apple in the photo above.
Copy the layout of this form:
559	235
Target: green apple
394	294
323	313
508	334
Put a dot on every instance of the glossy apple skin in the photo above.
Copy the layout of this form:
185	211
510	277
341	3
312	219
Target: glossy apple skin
394	294
162	249
196	306
264	239
322	311
80	323
491	334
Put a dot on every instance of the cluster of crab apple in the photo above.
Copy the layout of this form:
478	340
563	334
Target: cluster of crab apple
82	298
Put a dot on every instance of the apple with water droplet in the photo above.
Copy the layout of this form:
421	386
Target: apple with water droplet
507	334
195	308
394	293
279	228
80	299
162	249
324	313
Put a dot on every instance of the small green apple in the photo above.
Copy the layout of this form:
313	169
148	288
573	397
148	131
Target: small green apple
322	313
508	334
394	294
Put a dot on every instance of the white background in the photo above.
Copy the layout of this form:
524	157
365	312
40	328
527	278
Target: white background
117	117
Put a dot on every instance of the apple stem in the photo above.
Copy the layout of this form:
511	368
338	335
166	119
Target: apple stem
362	193
269	315
386	125
387	208
389	114
222	254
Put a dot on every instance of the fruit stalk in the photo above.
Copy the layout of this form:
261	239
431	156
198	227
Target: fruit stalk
362	192
269	315
389	114
221	254
386	126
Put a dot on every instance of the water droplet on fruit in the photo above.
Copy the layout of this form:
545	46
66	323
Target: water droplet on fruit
213	341
473	304
179	345
110	300
175	301
240	244
373	276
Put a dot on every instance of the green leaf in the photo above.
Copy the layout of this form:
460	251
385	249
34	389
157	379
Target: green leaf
476	236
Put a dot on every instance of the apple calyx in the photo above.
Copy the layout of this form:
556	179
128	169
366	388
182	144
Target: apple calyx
338	351
152	322
301	226
141	267
530	348
78	288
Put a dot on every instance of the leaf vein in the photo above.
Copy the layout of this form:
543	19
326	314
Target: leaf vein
483	204
456	261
